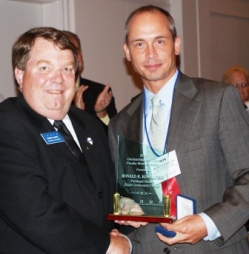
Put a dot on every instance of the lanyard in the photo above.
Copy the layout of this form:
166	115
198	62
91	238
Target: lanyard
145	125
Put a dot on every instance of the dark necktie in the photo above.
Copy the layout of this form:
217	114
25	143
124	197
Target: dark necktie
70	142
72	145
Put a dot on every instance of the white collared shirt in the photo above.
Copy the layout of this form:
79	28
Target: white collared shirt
166	96
69	125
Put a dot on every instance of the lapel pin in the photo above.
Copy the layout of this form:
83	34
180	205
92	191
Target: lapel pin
89	141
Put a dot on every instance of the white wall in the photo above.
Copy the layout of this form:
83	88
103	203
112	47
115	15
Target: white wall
15	18
229	35
215	36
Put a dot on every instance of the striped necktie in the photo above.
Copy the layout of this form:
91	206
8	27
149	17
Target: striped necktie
157	137
156	129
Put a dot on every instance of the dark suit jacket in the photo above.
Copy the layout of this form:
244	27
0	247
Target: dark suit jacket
48	203
91	94
209	130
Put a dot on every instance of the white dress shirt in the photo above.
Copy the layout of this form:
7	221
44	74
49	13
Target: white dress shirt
69	125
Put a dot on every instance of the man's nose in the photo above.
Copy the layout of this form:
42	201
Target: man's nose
57	76
151	51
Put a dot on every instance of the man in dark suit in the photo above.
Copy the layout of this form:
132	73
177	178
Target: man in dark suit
207	127
52	200
93	97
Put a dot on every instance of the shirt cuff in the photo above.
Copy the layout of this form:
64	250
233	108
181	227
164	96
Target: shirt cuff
212	230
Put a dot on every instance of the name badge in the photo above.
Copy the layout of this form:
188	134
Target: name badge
164	167
52	137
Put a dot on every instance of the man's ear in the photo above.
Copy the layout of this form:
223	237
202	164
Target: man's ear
177	45
19	77
127	52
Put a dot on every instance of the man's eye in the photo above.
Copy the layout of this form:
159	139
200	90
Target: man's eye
44	68
160	42
139	45
68	69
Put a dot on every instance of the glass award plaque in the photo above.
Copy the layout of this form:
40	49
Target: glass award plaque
136	181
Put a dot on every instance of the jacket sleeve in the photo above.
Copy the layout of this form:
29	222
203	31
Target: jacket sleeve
233	212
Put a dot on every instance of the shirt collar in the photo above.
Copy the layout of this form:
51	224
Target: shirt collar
165	93
66	120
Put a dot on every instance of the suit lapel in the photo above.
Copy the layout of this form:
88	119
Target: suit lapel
61	149
133	127
88	145
184	112
42	125
183	116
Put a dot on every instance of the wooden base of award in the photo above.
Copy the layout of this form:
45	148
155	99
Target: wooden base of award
141	218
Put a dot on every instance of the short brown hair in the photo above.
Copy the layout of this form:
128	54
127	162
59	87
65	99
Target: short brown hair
24	44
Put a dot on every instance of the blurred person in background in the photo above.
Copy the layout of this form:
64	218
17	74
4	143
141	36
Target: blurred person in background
238	76
93	97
